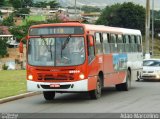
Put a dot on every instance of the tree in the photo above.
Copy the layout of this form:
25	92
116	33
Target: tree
88	9
16	3
8	21
21	3
26	3
53	4
22	11
127	15
108	13
21	31
3	47
42	4
156	23
2	2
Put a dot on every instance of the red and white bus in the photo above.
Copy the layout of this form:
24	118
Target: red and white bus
76	57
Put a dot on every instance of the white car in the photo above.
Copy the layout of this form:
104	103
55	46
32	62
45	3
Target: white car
151	69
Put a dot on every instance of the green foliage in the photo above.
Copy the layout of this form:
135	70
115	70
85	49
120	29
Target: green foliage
26	3
17	31
8	21
3	47
53	4
42	4
21	31
89	9
4	67
21	3
156	23
108	13
2	2
22	11
127	15
1	32
16	3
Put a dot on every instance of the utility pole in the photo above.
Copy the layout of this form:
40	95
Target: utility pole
152	27
147	25
75	8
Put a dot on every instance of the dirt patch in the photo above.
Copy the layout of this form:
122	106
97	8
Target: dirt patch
13	55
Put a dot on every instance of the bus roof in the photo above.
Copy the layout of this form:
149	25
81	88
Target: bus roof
89	27
112	29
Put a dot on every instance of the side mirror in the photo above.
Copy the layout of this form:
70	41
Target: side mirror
21	47
91	41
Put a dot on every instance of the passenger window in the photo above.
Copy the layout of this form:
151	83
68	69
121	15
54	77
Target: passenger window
127	43
139	47
106	43
113	44
121	47
98	43
133	43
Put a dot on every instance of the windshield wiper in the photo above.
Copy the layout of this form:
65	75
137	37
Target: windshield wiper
65	43
47	47
45	43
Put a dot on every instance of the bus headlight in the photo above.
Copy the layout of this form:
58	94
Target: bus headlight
30	77
157	76
81	76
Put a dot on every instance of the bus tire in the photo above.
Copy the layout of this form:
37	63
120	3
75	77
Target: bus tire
95	94
138	76
49	95
125	86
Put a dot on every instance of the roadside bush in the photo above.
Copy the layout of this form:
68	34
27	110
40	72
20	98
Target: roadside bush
3	47
4	67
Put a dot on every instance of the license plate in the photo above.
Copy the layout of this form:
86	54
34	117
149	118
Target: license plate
54	85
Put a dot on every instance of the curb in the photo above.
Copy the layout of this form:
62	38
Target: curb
4	100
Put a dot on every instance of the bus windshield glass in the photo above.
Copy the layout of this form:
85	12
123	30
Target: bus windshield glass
56	30
61	51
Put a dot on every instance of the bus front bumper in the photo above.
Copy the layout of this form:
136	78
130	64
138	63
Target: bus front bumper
77	86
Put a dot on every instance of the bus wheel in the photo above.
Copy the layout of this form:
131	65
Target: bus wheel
138	77
49	95
95	94
125	86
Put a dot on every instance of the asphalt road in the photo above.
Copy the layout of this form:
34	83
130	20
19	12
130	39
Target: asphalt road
144	97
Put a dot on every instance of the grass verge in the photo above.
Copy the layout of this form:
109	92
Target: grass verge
12	82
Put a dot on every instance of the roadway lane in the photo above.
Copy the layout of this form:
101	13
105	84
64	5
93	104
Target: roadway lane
142	97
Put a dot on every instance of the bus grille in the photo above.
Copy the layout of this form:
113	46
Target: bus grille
48	77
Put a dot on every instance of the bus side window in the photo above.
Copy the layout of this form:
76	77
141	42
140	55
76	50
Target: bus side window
91	51
120	43
138	41
98	44
106	43
127	43
133	43
113	44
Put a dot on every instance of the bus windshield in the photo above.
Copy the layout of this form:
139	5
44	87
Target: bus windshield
61	51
